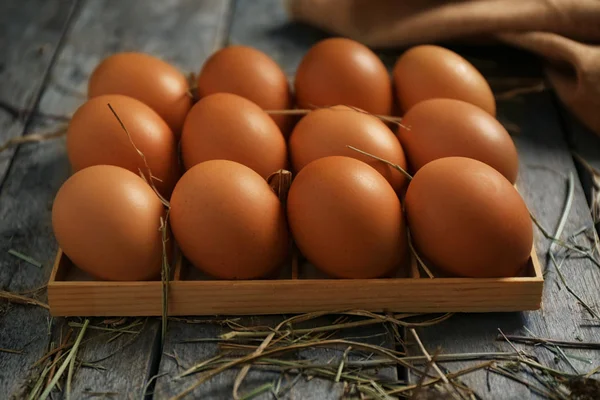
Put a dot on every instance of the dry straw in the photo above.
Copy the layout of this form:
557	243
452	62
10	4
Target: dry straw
395	166
20	299
286	338
163	227
518	366
34	138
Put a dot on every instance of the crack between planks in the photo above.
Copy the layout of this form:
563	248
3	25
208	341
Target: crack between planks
222	35
73	11
154	366
401	371
39	91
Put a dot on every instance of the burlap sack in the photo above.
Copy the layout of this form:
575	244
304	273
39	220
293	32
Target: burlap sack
561	31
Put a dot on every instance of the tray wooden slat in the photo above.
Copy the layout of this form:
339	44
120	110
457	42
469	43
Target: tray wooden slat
276	296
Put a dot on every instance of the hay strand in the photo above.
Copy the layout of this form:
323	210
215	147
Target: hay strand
395	166
33	138
19	299
66	362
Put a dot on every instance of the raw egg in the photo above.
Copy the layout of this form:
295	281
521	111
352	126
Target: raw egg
328	131
149	79
228	222
468	220
249	73
342	71
429	72
346	218
440	128
95	137
106	219
229	127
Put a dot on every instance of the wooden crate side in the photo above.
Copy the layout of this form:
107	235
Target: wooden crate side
102	298
105	298
401	295
275	297
96	298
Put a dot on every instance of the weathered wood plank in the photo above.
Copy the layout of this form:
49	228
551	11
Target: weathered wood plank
181	32
109	364
30	35
30	32
317	388
545	164
179	355
123	364
263	25
585	145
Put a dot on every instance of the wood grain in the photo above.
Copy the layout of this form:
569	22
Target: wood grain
280	296
30	32
181	352
263	24
124	364
30	35
178	356
545	164
182	32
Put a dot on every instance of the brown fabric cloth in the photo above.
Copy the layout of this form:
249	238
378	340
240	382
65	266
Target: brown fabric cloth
561	31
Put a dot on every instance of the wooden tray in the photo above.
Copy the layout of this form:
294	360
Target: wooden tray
298	289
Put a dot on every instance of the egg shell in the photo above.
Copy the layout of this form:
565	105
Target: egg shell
440	128
249	73
149	79
106	219
327	132
343	71
468	220
428	72
229	127
95	137
346	219
228	222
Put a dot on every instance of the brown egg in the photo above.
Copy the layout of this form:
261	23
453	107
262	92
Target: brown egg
225	126
148	79
327	132
106	220
342	71
440	128
249	73
228	222
346	218
429	72
95	137
468	220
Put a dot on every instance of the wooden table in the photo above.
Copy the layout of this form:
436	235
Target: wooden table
47	51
